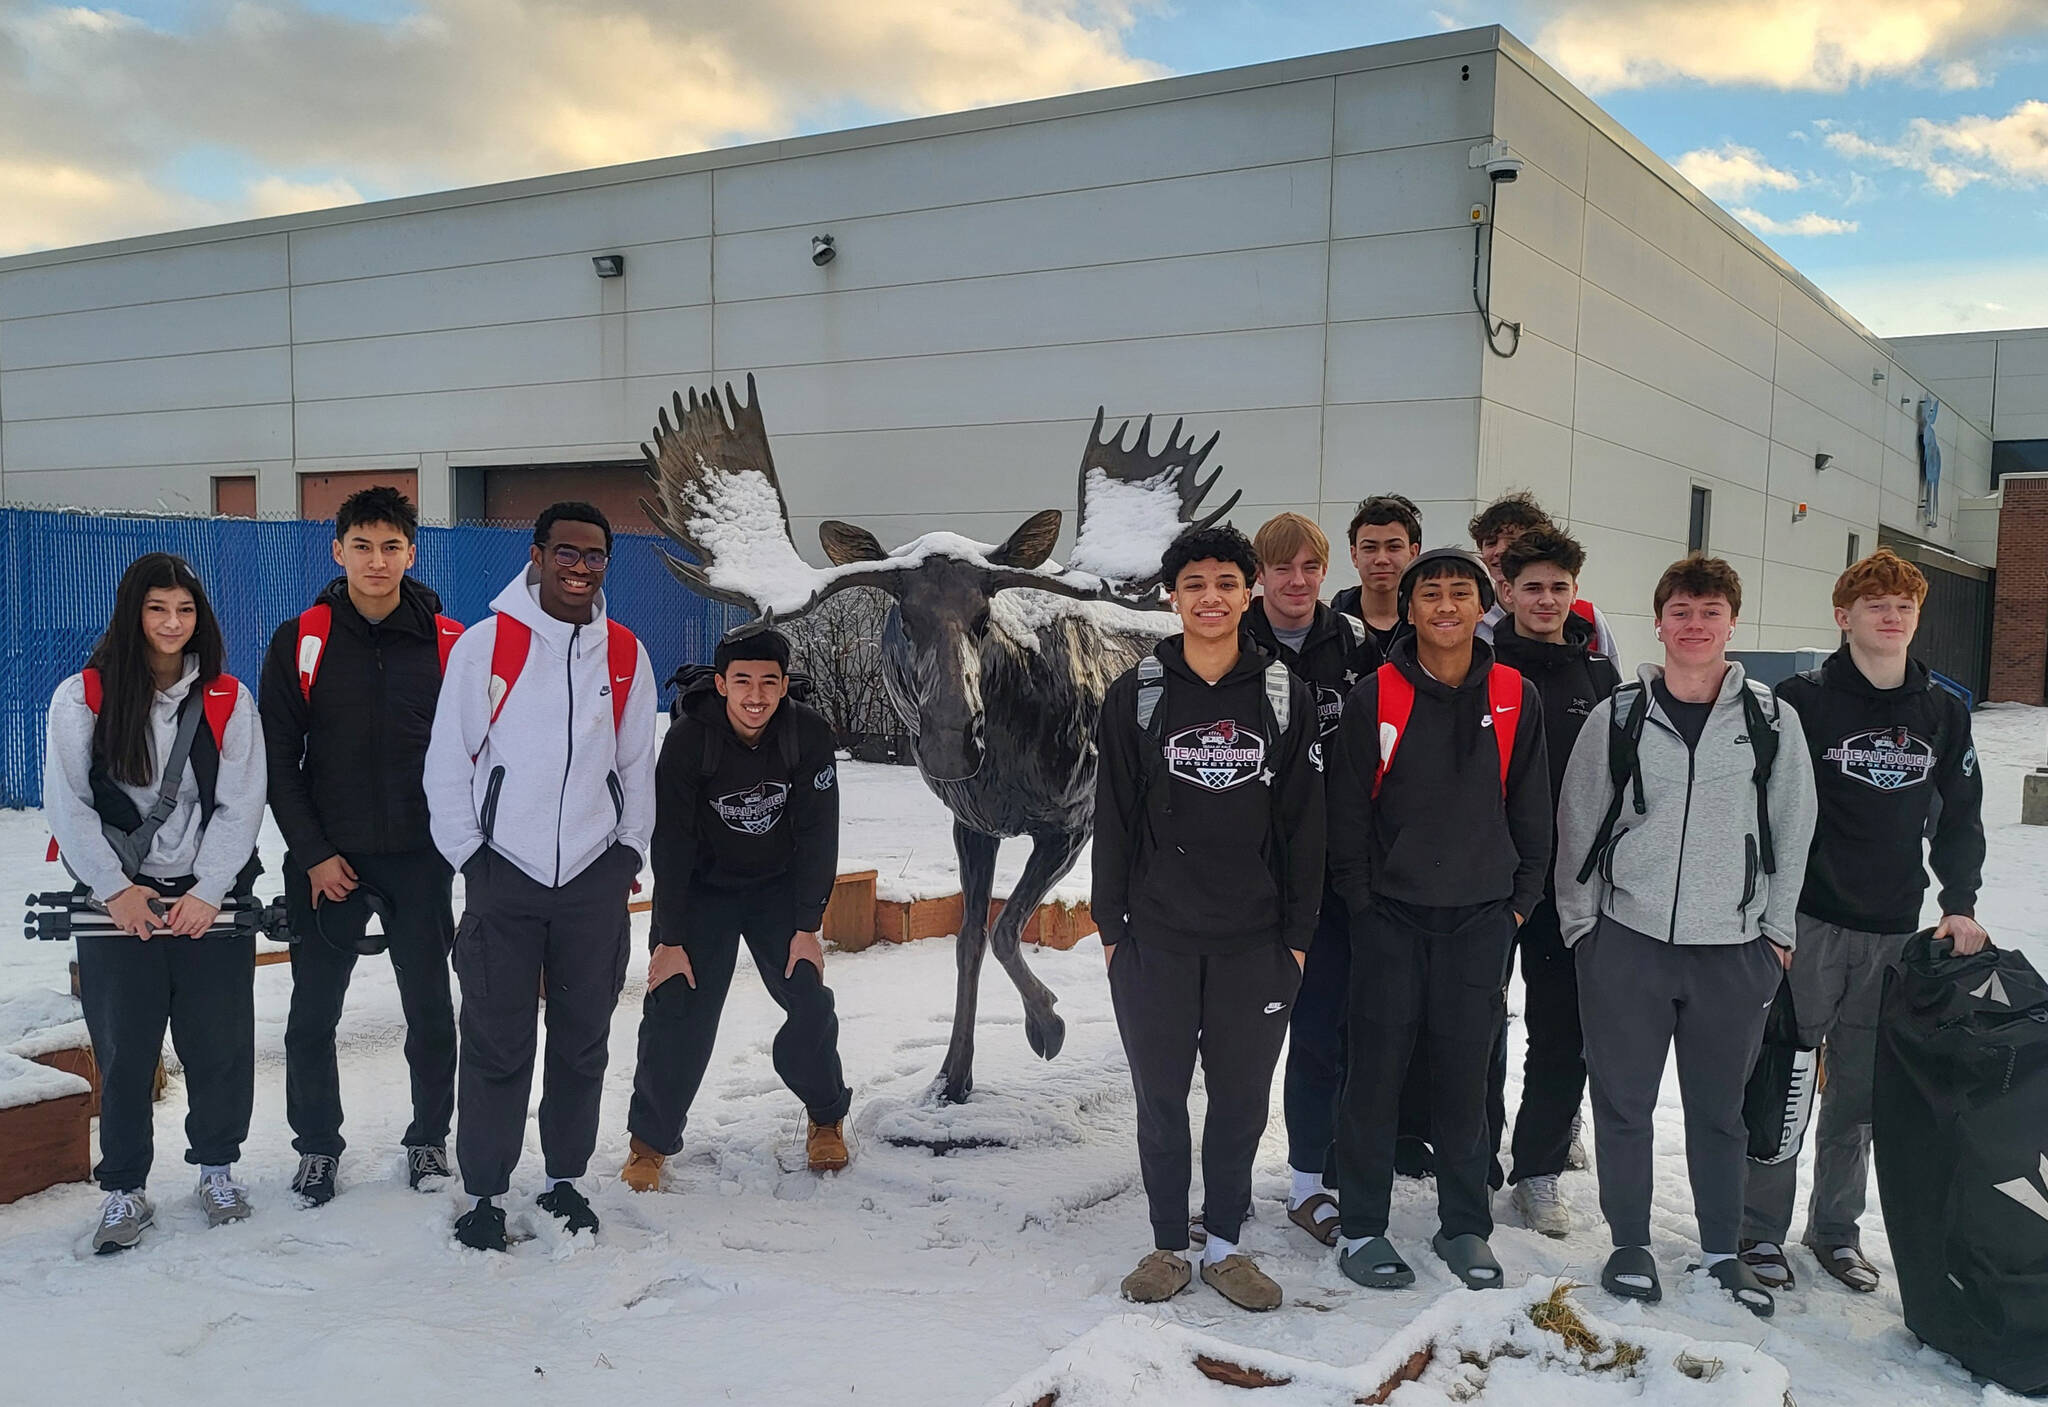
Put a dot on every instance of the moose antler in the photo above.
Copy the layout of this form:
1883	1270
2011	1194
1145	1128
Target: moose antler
1134	502
721	501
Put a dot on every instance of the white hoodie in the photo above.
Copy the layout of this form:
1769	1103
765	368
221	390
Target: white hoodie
567	785
213	853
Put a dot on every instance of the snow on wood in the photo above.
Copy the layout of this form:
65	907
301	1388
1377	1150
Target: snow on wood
22	1081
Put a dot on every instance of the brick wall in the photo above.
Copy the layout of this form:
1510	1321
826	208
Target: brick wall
2019	611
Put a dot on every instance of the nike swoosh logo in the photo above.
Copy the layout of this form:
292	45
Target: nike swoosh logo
1503	710
1272	1007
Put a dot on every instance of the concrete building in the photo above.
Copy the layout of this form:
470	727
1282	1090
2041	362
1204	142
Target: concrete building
1286	253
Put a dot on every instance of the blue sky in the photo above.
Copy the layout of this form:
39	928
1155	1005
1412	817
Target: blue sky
1895	151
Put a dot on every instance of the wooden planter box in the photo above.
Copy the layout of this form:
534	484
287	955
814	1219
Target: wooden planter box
46	1141
78	1060
850	916
899	921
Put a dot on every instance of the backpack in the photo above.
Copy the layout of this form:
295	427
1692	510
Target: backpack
1959	1113
695	680
1397	702
316	624
1624	738
514	641
126	828
1152	688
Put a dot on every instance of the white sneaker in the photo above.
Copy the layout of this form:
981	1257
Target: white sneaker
222	1199
1537	1200
124	1216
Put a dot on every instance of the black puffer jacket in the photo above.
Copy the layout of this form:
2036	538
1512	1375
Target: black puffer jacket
1334	656
346	765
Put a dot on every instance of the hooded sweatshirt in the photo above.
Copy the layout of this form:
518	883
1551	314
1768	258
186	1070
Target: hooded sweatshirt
1351	602
756	820
1687	871
1209	839
213	850
1336	653
551	785
1441	833
345	764
1603	633
1569	678
1880	758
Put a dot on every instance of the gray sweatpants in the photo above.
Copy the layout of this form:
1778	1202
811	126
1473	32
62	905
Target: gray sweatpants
1837	983
1638	998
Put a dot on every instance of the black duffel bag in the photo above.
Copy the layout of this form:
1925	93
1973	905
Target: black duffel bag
1960	1118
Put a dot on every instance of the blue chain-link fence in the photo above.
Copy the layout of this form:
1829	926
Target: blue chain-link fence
62	568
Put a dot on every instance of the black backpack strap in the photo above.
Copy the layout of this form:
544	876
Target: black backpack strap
707	766
1624	739
1151	689
1763	748
791	747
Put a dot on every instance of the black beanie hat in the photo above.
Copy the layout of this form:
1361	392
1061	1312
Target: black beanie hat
1471	566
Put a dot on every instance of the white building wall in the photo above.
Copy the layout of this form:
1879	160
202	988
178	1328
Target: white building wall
1281	253
1663	347
1998	379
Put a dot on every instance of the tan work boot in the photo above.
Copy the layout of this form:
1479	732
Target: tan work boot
642	1172
1159	1277
825	1146
1240	1281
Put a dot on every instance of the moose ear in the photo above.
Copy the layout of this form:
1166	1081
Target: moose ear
843	543
1032	543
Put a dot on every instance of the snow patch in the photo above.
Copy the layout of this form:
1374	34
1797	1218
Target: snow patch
23	1082
1021	613
1129	525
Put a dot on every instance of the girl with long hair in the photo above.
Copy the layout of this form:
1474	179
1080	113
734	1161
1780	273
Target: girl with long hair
153	784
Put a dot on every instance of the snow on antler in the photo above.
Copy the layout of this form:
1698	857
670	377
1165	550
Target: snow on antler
1134	502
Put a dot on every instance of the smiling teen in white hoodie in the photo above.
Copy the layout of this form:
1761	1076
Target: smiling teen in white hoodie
542	795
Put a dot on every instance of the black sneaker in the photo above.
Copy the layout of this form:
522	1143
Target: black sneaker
425	1161
482	1227
568	1206
314	1181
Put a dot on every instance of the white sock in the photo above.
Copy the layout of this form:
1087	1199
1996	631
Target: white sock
1305	1186
1352	1245
226	1170
555	1182
1217	1249
1637	1282
1710	1259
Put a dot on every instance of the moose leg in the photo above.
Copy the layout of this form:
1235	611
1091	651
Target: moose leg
1052	854
977	854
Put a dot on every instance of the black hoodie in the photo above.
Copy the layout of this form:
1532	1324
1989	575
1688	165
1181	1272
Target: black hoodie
1210	840
1440	834
1351	602
756	820
1569	679
1334	656
1880	757
346	766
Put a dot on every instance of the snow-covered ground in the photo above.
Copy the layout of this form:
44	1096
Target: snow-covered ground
908	1279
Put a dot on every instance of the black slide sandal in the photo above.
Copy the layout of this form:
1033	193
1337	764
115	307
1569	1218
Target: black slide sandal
1636	1261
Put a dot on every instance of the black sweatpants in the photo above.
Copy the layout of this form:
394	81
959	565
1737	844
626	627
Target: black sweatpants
1439	972
204	989
1554	1067
1315	1042
679	1023
1414	1118
419	930
1230	1009
1640	998
513	933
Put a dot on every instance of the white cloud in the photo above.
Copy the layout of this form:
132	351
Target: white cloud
1818	44
1907	300
1729	172
465	91
1811	223
1950	156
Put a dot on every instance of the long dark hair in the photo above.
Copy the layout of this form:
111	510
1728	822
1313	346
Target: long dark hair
120	736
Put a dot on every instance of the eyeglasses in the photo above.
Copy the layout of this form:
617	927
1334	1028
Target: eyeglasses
595	559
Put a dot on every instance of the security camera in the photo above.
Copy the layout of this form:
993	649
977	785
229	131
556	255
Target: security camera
1500	163
822	252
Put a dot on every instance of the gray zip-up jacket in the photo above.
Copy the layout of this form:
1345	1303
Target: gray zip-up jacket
1687	871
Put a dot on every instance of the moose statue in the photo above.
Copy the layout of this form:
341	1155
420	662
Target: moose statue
995	656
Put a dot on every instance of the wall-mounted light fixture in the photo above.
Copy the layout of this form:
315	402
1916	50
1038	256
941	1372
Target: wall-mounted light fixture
1798	512
609	265
1822	461
1877	375
822	252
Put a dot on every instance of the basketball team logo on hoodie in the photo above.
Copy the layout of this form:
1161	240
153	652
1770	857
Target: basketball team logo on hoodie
755	810
1885	758
1216	756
